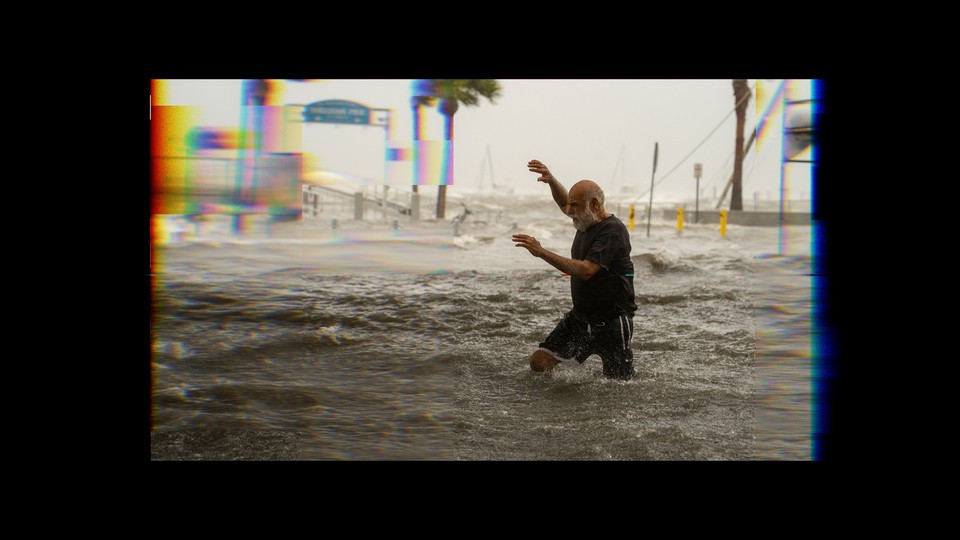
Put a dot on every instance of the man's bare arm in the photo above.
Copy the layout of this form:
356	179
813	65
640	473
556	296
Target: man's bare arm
582	269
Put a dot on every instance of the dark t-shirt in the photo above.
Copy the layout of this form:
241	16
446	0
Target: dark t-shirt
609	293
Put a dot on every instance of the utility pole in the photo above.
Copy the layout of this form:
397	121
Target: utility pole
726	187
741	94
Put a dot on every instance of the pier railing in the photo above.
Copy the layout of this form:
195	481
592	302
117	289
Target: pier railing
367	202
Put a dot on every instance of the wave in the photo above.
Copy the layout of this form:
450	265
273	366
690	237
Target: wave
271	344
463	240
237	396
659	260
660	298
172	349
695	293
327	320
656	346
240	310
214	299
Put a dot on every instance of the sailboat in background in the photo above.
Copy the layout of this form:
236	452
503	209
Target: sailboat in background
488	162
621	166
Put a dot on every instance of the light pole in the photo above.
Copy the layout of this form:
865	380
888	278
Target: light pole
652	176
697	171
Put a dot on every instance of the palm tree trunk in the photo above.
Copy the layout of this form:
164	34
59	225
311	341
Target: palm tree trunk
740	95
447	165
729	183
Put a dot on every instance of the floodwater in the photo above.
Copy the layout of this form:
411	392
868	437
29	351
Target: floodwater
383	340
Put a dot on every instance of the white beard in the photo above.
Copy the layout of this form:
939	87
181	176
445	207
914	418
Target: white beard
584	220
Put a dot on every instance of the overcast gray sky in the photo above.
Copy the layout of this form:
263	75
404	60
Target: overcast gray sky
603	130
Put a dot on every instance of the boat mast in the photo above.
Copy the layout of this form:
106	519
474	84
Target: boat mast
493	179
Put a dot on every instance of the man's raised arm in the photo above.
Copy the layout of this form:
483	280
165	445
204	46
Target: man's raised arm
556	188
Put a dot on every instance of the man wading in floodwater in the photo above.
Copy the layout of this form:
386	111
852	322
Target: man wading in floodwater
601	282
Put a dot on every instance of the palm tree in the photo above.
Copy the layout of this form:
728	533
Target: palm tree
452	93
741	95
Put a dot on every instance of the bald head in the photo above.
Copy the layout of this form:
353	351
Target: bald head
585	204
586	192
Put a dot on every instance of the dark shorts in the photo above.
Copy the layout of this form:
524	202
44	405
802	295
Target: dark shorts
575	338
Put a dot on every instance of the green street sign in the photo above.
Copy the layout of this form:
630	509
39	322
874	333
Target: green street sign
336	111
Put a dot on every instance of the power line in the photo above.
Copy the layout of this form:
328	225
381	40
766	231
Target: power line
705	139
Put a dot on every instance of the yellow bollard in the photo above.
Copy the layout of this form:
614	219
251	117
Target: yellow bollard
680	220
723	223
630	225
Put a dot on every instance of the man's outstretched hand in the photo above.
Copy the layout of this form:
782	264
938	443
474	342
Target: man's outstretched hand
536	166
528	242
